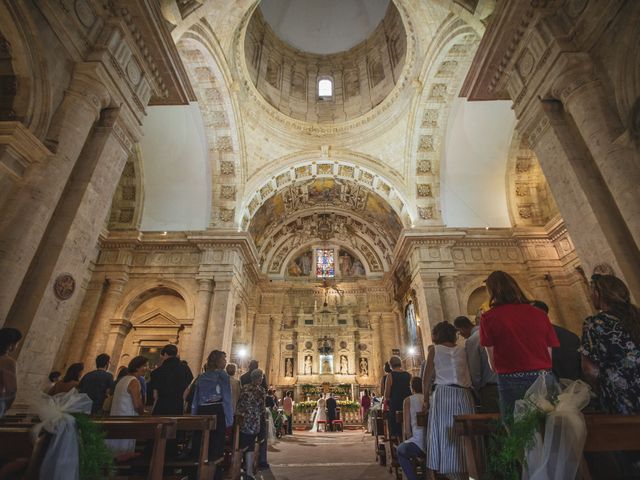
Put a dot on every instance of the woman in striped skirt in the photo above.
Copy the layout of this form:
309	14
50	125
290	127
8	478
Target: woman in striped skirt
447	368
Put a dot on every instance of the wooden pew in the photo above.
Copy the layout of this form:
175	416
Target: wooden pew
234	447
605	433
184	423
378	435
21	451
158	429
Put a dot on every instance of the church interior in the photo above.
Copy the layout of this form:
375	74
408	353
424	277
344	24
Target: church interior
310	184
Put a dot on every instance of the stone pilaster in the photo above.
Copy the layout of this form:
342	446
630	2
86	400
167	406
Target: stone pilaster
111	299
449	295
432	313
119	330
201	315
29	207
221	314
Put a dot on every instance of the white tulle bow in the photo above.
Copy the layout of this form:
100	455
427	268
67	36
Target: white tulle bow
62	461
557	456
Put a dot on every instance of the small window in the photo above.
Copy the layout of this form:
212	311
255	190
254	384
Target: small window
308	322
325	88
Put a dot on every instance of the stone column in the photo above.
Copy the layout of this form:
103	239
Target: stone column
199	328
598	231
274	354
102	323
69	244
376	360
29	207
83	325
449	295
599	124
221	314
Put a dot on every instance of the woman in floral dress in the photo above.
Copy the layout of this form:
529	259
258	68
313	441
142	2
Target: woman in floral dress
251	406
611	346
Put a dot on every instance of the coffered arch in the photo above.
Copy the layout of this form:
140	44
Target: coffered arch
353	172
318	227
440	79
212	84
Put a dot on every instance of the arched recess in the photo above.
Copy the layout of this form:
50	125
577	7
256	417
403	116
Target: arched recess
476	299
25	93
211	82
442	74
317	228
291	260
293	184
128	201
529	197
149	318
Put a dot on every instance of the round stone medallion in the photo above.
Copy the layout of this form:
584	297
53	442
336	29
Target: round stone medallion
64	286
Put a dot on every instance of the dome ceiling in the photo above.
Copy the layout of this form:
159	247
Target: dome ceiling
323	26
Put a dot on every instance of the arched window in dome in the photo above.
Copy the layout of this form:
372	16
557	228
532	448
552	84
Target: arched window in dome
325	88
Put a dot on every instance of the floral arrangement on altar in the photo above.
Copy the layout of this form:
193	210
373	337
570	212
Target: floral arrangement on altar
341	390
308	407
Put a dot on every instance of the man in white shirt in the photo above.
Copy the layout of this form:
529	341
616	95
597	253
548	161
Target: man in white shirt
483	379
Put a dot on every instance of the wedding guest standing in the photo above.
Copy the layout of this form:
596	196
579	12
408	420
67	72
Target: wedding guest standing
168	383
565	359
231	369
71	379
414	443
447	369
212	396
127	401
518	338
483	379
611	346
287	408
251	406
365	405
53	378
9	339
98	383
396	390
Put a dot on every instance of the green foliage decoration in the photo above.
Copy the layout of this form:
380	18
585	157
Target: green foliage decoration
509	443
95	457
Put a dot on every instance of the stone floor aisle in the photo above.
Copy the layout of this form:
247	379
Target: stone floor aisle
324	456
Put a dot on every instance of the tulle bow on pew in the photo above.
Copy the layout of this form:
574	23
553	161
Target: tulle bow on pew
557	455
62	459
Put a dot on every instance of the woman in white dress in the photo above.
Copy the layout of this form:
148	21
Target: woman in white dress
320	415
127	401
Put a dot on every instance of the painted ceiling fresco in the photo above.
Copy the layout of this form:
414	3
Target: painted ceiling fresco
330	194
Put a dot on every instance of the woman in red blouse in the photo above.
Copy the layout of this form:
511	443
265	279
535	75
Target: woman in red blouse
518	338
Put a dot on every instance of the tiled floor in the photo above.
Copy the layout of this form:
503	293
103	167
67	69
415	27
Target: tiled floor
324	456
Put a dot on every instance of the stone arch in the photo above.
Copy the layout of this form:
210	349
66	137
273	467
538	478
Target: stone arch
352	169
529	198
475	299
128	201
26	95
133	298
440	79
218	106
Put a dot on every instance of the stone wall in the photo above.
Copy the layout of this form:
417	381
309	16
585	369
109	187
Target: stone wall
567	68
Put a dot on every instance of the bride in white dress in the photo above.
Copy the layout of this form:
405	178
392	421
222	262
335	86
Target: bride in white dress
320	414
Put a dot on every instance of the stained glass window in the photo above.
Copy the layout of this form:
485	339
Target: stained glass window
325	267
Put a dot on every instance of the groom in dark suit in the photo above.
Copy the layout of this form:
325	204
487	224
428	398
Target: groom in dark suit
331	410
